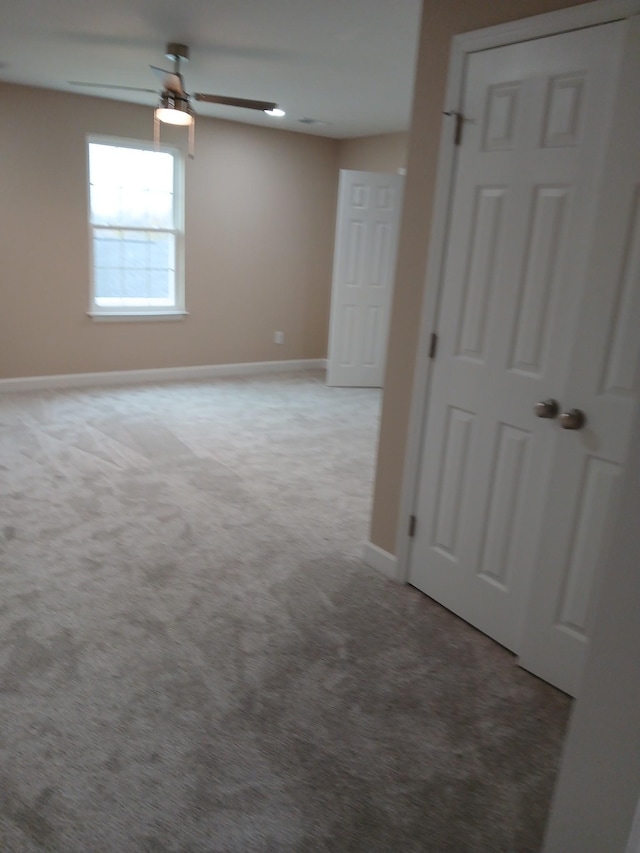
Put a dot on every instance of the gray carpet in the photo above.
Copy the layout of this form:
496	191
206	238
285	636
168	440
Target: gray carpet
194	658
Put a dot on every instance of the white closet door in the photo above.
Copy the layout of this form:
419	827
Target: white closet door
537	123
602	383
367	227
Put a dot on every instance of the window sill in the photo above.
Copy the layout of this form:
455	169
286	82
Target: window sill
133	316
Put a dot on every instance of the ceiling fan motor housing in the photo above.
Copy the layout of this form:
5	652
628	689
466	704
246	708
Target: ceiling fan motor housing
177	52
174	101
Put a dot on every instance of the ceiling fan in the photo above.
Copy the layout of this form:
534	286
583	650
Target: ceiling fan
175	105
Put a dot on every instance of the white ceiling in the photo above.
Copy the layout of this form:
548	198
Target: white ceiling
348	63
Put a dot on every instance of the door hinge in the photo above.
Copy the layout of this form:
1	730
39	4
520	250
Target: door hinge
457	136
433	346
412	526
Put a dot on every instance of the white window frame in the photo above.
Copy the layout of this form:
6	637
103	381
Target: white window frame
152	312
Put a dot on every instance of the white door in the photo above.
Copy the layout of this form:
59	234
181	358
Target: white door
603	382
538	117
367	227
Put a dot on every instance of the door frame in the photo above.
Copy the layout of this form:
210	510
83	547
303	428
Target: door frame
552	23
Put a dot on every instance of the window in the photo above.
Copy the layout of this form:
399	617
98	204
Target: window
136	215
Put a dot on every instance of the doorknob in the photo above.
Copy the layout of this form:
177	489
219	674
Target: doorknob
547	408
573	419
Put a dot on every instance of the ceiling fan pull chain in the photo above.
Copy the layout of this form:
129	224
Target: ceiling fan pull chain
156	131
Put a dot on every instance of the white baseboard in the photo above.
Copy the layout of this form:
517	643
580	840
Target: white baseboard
380	560
162	374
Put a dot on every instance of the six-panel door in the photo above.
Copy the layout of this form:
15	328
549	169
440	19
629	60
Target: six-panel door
537	123
603	381
367	227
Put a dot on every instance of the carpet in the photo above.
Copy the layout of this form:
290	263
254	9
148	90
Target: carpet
193	656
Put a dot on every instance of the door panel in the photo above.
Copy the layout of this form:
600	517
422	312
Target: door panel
455	471
537	118
594	494
486	228
622	346
539	280
505	496
367	229
564	113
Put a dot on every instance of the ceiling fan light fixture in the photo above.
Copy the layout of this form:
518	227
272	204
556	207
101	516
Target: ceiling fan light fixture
174	109
276	112
173	116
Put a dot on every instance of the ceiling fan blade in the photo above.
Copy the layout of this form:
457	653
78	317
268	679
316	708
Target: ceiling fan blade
109	86
160	73
247	104
170	80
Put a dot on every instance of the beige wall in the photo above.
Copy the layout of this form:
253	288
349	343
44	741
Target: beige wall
384	153
260	213
441	20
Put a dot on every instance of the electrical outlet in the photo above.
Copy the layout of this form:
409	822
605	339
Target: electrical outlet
278	337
